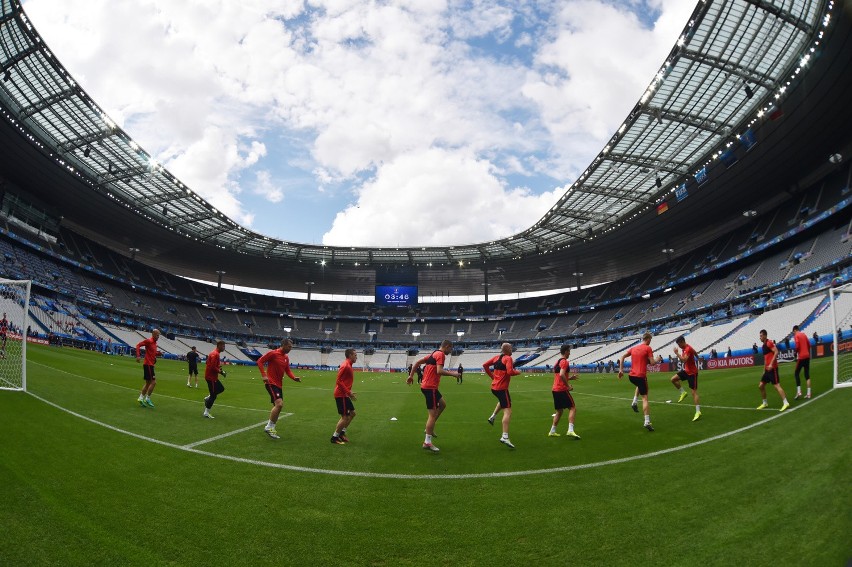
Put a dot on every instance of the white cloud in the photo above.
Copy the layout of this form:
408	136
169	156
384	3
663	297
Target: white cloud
265	187
393	106
583	83
435	197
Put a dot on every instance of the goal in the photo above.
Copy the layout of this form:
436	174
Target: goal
14	322
841	325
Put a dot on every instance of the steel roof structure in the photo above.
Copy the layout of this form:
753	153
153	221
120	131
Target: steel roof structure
734	64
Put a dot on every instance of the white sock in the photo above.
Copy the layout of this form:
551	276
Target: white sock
505	436
764	402
553	429
809	391
493	415
697	407
570	427
147	397
647	419
335	434
141	397
635	398
785	400
798	389
428	440
343	431
270	424
680	390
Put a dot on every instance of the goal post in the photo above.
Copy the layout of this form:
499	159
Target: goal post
841	318
14	321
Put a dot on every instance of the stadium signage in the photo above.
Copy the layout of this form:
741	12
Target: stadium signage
732	362
842	346
399	295
786	356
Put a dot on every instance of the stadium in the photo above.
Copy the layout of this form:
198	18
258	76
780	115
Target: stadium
720	207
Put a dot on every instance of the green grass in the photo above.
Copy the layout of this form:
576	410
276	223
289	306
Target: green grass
74	492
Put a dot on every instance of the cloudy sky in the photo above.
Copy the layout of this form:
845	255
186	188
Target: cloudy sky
369	123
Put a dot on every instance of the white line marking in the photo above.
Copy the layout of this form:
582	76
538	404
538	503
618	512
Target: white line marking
220	405
656	402
211	439
432	476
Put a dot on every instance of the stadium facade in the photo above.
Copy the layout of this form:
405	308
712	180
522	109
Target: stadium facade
742	116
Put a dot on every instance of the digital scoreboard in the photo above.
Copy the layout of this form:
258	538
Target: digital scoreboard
402	295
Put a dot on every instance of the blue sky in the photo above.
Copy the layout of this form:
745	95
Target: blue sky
383	123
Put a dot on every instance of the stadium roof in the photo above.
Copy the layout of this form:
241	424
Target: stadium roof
733	66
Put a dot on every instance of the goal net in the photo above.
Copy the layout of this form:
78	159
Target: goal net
14	321
841	324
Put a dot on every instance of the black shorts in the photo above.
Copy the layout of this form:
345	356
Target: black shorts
344	406
193	369
691	379
770	377
274	392
804	364
504	398
215	387
432	397
640	382
563	400
148	372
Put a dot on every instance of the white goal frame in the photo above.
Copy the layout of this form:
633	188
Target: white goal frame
22	327
832	291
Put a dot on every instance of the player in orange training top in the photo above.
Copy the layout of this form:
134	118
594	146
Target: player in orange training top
803	361
500	369
770	372
687	356
641	356
273	366
212	371
150	345
562	397
343	396
435	404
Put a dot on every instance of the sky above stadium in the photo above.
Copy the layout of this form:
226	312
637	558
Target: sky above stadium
368	123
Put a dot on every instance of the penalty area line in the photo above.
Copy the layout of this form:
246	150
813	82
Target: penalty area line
460	476
224	435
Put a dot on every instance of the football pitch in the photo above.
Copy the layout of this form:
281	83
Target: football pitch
87	476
